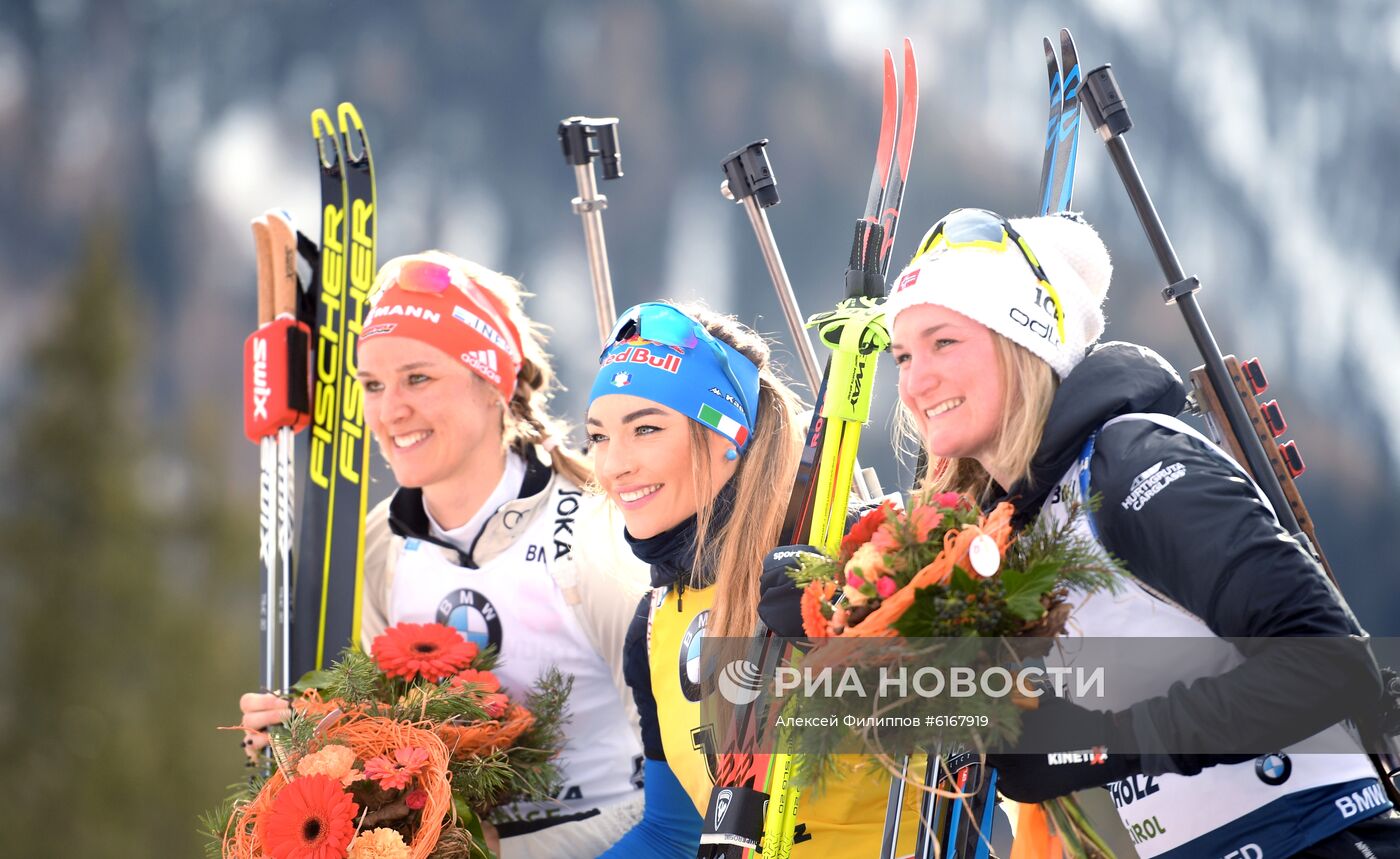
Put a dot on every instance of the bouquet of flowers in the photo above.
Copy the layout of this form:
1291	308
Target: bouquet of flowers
398	755
941	570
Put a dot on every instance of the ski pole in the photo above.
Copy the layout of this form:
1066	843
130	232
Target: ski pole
285	295
578	136
276	405
749	181
257	394
1108	113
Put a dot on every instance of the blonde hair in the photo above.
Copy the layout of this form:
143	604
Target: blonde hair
526	421
1028	387
736	550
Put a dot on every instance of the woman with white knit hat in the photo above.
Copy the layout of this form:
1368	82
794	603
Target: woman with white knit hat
995	326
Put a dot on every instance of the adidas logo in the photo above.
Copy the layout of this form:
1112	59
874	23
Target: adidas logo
484	362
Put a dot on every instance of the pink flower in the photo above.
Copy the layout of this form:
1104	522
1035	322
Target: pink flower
416	799
950	501
885	540
854	581
408	762
495	704
925	519
886	587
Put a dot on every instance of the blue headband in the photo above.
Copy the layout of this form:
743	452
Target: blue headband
660	354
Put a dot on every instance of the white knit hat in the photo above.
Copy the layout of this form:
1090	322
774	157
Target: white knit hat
998	287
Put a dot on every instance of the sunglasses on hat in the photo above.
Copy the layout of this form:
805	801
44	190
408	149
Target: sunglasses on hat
434	278
979	228
669	326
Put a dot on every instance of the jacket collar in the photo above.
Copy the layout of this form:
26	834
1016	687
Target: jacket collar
1115	379
408	518
671	553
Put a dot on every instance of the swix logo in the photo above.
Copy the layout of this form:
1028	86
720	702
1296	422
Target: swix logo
484	362
643	355
261	392
910	278
408	310
481	326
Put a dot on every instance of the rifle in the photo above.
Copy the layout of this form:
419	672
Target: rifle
1224	390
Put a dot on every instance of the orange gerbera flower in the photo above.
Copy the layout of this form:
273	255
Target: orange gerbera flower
483	679
408	762
432	651
311	818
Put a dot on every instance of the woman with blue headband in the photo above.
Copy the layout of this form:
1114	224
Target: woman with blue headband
697	441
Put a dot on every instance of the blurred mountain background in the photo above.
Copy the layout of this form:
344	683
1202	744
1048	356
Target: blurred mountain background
138	138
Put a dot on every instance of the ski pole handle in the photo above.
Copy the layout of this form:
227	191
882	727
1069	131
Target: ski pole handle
749	181
1108	113
577	136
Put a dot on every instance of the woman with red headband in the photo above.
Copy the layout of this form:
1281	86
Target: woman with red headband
491	531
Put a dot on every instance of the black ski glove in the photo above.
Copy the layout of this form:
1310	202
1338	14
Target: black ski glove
779	597
1097	747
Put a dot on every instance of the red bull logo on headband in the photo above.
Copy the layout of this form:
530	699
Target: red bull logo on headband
644	355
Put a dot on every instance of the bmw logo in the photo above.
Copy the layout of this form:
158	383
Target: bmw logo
1273	769
472	614
690	656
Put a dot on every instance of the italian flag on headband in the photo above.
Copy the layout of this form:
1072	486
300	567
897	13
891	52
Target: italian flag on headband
723	424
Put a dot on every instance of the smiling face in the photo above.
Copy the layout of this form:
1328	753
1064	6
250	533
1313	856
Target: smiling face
950	379
642	456
435	420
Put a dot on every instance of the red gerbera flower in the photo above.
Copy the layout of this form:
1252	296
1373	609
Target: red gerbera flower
428	650
864	529
311	818
408	762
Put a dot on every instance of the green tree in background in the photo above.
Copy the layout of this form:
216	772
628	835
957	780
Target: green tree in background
125	613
